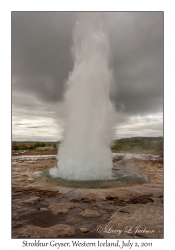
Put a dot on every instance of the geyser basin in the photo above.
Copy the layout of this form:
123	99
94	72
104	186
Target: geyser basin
120	177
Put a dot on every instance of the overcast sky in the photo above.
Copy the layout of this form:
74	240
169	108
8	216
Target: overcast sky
42	60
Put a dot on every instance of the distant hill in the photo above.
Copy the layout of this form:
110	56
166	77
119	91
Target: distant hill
139	144
152	145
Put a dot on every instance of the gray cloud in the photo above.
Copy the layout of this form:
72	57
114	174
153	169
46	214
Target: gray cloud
137	53
42	59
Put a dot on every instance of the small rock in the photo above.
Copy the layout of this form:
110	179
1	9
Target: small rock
90	213
84	229
32	200
61	208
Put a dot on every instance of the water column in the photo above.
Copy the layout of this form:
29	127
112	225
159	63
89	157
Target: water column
85	152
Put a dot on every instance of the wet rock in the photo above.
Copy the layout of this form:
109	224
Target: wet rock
35	190
134	199
16	224
32	200
59	230
135	221
111	198
90	197
103	205
116	201
142	199
118	158
80	199
16	200
90	213
42	209
125	200
61	208
123	210
28	211
30	180
84	229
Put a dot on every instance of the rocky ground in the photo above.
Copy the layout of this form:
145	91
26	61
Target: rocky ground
41	209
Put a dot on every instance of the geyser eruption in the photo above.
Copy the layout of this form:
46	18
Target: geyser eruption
85	153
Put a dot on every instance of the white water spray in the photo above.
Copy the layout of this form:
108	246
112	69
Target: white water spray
85	153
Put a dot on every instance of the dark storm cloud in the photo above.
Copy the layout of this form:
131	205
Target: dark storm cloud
42	59
136	40
41	56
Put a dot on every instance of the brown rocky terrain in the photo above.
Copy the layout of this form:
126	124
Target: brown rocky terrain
42	209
